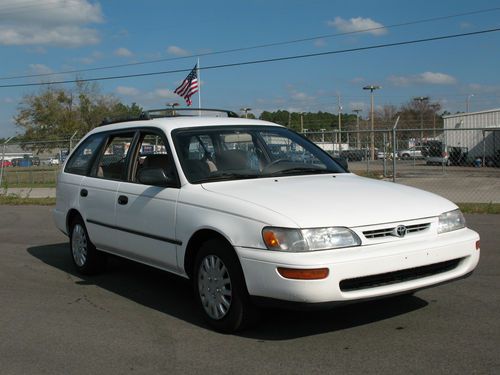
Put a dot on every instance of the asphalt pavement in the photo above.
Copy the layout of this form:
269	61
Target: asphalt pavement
137	320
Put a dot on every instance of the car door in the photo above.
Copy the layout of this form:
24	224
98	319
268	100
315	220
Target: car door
99	189
145	213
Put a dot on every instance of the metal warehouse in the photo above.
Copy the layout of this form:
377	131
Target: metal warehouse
479	132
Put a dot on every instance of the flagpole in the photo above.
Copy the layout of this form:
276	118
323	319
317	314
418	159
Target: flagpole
199	86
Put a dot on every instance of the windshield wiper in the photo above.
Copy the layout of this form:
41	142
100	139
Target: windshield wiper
227	176
301	170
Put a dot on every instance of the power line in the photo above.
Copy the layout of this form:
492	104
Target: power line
263	61
260	46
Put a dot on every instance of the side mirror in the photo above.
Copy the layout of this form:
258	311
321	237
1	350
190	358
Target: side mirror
342	162
153	176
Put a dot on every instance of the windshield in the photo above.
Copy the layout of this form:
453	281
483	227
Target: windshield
241	152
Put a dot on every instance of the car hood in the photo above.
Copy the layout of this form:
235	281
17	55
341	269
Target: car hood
334	200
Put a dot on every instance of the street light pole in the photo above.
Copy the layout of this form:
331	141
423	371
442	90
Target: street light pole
372	135
467	102
358	143
421	100
245	109
172	105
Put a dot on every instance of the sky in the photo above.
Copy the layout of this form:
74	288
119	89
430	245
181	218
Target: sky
45	37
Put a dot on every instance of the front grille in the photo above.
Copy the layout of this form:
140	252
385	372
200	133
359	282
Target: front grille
391	231
395	277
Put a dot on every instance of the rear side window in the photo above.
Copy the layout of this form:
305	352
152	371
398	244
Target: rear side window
113	162
81	160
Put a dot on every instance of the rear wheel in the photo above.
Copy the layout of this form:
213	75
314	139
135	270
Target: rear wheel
86	258
220	288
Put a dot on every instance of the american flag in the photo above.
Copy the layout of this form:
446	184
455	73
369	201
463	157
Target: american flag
189	86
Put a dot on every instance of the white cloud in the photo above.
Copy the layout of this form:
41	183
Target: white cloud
40	69
57	23
165	94
432	78
127	91
123	52
437	78
358	24
177	51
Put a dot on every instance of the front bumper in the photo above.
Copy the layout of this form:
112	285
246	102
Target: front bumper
263	280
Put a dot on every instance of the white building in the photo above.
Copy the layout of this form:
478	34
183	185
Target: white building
478	131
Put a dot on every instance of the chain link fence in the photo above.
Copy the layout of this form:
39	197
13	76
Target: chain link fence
462	165
32	164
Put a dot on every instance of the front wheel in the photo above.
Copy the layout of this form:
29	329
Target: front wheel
86	258
220	288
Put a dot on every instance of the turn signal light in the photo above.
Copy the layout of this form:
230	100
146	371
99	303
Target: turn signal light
270	239
303	274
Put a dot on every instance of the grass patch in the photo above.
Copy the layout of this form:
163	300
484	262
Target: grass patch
28	185
14	200
480	208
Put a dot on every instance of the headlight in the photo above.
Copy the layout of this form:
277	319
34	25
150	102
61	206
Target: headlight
451	220
297	240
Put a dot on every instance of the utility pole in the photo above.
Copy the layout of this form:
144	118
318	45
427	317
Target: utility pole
302	122
358	143
340	123
372	116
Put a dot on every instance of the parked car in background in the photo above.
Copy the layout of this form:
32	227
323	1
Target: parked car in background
441	154
355	154
229	205
411	153
5	163
53	161
457	155
386	155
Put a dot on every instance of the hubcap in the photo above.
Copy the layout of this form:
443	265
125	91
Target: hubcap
214	287
79	245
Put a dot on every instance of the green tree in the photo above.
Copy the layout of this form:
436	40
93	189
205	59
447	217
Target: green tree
55	113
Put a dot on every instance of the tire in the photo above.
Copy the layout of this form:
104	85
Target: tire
86	258
405	156
220	288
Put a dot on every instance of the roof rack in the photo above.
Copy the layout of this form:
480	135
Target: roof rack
166	112
173	112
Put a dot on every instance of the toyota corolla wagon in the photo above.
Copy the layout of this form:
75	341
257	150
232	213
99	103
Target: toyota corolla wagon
254	214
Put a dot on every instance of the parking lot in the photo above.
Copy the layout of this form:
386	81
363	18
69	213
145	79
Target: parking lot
139	320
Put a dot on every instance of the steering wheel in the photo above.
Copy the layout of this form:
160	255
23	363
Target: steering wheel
273	163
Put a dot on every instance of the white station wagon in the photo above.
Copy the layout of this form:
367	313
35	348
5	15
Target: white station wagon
253	214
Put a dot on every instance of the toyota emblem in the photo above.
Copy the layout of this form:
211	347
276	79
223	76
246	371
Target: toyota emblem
401	231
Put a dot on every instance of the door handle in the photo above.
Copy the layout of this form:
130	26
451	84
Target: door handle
84	193
122	199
